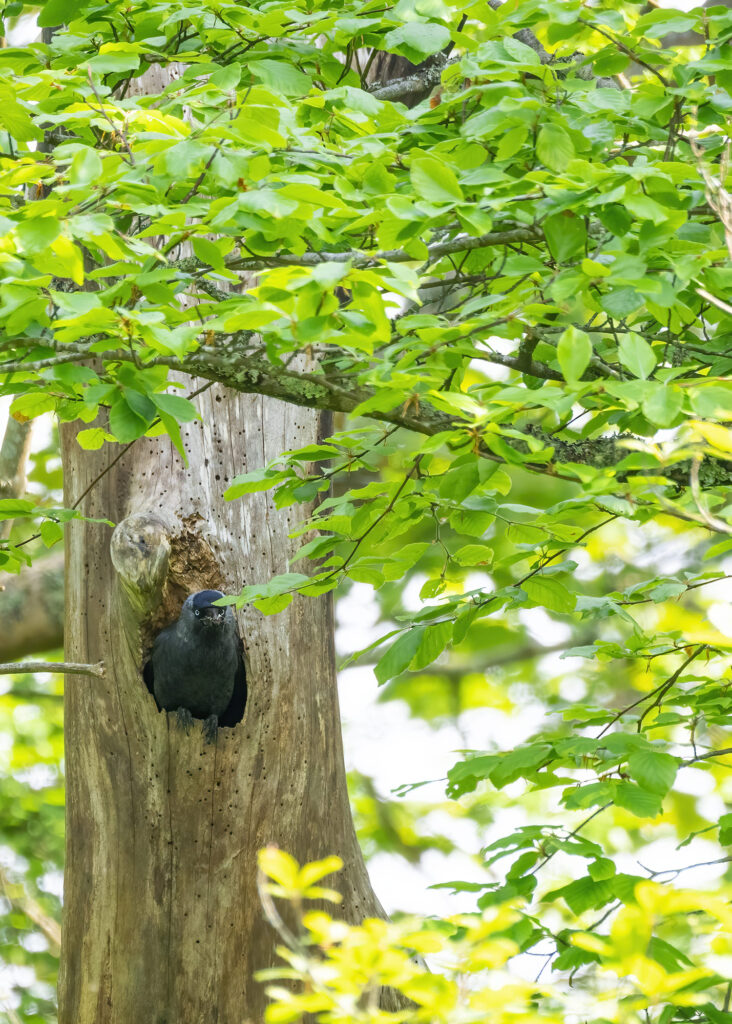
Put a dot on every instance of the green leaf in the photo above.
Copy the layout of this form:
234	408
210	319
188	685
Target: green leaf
177	406
433	642
273	605
50	532
27	407
140	403
12	508
521	52
16	119
546	591
554	147
636	355
58	12
638	801
593	794
86	167
519	763
124	423
512	142
173	430
619	302
258	480
574	352
36	233
92	439
435	181
399	655
663	404
584	893
646	208
227	77
653	770
669	957
319	869
104	63
416	40
278	586
566	236
209	252
659	22
601	869
712	401
282	77
474	554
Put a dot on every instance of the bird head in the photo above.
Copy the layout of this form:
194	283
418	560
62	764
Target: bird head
204	612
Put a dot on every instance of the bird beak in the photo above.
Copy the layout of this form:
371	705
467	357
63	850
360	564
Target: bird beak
214	613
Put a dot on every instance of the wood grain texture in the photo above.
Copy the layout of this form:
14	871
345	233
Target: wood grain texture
162	923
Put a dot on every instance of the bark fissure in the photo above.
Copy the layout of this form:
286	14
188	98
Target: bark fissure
171	850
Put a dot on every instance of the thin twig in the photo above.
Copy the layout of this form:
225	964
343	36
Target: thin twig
659	690
663	690
199	180
625	49
717	196
33	910
272	913
115	129
706	757
712	521
571	835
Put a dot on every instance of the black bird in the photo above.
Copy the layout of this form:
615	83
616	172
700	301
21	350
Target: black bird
196	662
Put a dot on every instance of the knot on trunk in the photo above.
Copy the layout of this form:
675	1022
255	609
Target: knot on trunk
140	550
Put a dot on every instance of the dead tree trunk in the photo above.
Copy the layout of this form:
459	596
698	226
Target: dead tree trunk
162	922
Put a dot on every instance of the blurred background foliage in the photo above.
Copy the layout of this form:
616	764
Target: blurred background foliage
566	758
506	684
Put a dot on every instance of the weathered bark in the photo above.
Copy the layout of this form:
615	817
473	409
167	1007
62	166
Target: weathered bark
162	922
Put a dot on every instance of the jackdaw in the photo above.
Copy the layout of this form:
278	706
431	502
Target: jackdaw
196	662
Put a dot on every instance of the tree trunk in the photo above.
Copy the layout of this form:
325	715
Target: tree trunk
32	609
162	922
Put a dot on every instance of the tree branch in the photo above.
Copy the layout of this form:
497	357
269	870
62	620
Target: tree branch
251	373
723	752
71	668
13	458
460	243
429	75
32	609
256	375
422	81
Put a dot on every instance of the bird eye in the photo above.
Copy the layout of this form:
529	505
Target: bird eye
197	612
